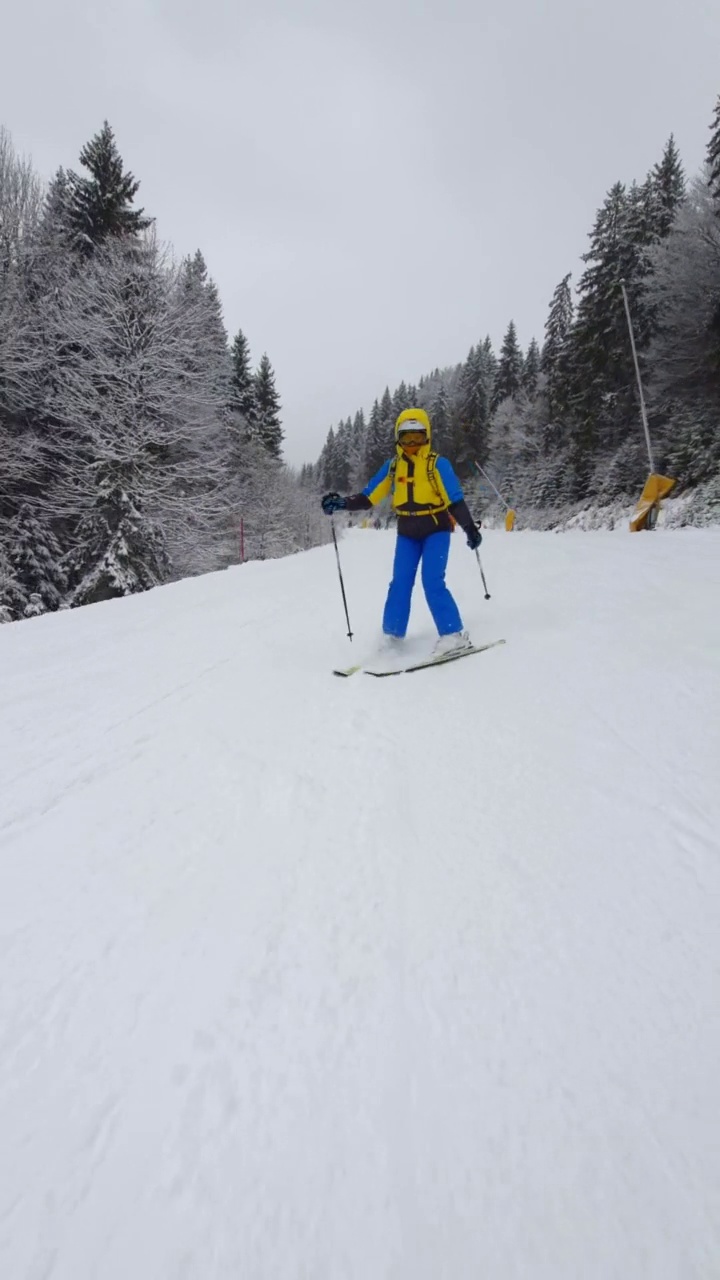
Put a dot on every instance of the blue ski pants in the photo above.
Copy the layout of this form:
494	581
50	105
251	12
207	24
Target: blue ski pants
433	551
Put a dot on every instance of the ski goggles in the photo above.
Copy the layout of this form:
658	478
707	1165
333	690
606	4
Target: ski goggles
413	437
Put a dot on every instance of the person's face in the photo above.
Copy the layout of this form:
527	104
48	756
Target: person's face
412	441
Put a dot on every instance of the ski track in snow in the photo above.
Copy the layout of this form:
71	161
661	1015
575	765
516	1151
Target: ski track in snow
366	980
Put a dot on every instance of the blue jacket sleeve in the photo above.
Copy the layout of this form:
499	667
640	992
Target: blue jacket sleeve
375	490
458	508
379	487
452	485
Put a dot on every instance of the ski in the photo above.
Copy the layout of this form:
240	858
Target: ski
347	671
435	662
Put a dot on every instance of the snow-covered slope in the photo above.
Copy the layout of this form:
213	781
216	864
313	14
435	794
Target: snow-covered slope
366	980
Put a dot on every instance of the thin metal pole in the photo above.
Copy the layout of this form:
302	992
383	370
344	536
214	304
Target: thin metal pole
497	491
342	584
643	410
482	575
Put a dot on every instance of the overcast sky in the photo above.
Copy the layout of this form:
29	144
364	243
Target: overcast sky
374	185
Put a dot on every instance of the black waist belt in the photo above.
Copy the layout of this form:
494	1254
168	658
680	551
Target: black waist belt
420	511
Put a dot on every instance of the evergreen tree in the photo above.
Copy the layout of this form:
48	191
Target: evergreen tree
713	158
531	369
35	561
13	598
119	551
377	445
210	363
20	214
200	294
358	435
100	207
210	489
684	355
55	220
242	394
400	401
488	365
441	421
269	429
343	456
557	332
600	385
489	360
328	462
116	420
471	438
389	418
138	406
667	182
510	367
600	372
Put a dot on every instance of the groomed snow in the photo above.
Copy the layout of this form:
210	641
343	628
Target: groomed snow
412	979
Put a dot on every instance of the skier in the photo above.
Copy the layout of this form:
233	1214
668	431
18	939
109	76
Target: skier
428	501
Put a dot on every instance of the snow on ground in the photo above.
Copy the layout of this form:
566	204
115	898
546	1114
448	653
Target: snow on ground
411	979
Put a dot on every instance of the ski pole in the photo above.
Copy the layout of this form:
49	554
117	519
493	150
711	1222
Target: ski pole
482	575
484	473
643	410
342	584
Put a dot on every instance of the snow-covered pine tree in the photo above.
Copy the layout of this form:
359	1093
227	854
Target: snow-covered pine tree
208	373
600	372
327	462
36	561
602	387
13	599
683	359
343	445
400	401
100	206
517	444
389	417
20	209
667	182
442	422
358	477
119	550
531	369
264	505
377	445
555	348
211	360
472	416
489	362
136	412
41	339
713	158
20	205
242	394
269	429
510	367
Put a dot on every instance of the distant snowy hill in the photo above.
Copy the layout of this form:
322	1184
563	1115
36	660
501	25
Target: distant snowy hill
366	980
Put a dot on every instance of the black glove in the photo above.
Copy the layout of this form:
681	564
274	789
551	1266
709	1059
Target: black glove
474	537
333	502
